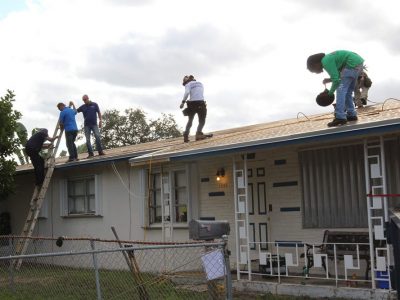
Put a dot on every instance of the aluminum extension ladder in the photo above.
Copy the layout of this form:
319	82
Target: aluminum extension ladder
377	206
37	199
241	217
166	207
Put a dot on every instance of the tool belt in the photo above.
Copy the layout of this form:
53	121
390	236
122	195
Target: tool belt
194	107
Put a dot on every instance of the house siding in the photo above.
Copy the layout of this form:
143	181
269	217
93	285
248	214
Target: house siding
124	200
283	193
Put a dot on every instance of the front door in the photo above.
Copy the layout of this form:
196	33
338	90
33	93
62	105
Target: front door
258	208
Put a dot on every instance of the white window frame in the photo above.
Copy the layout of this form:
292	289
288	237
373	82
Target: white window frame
64	197
171	172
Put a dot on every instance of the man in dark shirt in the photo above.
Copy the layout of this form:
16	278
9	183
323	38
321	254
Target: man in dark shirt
32	149
90	111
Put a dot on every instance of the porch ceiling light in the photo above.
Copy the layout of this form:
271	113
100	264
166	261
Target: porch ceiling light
220	173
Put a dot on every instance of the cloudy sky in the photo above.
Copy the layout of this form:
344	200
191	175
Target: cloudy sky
250	55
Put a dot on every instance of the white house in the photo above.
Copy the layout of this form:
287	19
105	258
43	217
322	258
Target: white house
283	184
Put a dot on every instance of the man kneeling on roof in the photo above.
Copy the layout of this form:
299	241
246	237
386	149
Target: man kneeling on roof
343	67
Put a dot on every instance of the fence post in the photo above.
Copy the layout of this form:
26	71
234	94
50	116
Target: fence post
11	268
228	277
96	271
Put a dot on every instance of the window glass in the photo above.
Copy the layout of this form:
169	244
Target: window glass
81	196
174	195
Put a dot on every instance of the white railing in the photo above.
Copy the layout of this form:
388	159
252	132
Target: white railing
345	264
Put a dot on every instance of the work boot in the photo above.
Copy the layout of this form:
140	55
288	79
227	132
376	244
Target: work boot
185	138
337	122
200	136
352	118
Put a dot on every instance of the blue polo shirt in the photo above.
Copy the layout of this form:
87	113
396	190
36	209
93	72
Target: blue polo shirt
67	119
89	113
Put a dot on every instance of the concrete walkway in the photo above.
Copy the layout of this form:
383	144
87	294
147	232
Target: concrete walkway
312	291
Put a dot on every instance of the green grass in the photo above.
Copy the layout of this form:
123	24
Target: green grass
41	282
63	283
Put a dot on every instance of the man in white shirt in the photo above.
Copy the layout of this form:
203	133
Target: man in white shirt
195	105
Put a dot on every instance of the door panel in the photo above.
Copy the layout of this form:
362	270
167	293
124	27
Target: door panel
257	207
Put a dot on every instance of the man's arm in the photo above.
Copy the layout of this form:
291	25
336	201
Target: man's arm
50	139
186	95
61	121
79	109
98	114
331	68
100	123
72	105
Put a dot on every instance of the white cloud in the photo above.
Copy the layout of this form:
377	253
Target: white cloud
142	62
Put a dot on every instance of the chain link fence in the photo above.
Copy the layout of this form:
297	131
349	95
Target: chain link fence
68	268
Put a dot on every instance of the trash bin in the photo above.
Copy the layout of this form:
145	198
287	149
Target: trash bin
382	284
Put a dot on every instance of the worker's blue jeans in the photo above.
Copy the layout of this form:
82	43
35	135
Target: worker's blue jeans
96	133
70	137
344	93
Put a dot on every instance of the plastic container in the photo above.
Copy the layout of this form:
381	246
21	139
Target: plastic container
382	284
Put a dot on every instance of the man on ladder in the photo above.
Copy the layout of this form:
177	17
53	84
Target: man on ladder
33	147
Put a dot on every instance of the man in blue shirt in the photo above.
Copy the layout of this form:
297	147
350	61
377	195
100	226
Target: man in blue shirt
90	112
68	123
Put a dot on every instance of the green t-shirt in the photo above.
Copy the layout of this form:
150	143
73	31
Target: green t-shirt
334	62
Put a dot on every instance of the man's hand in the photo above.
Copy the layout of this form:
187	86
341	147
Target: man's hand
100	124
182	104
326	80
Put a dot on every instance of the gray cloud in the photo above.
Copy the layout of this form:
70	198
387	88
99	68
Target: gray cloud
364	22
144	63
328	6
380	91
375	27
130	2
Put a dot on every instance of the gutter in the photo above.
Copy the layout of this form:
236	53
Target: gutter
91	162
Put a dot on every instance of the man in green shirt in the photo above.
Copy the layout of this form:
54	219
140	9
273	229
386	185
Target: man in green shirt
343	67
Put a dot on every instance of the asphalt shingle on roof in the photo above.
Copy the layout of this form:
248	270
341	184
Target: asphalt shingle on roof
284	129
252	134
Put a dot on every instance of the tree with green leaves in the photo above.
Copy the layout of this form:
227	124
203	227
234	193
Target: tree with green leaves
8	143
133	127
22	135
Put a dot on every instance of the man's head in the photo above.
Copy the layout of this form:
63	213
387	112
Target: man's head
61	106
36	130
187	79
314	63
85	99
